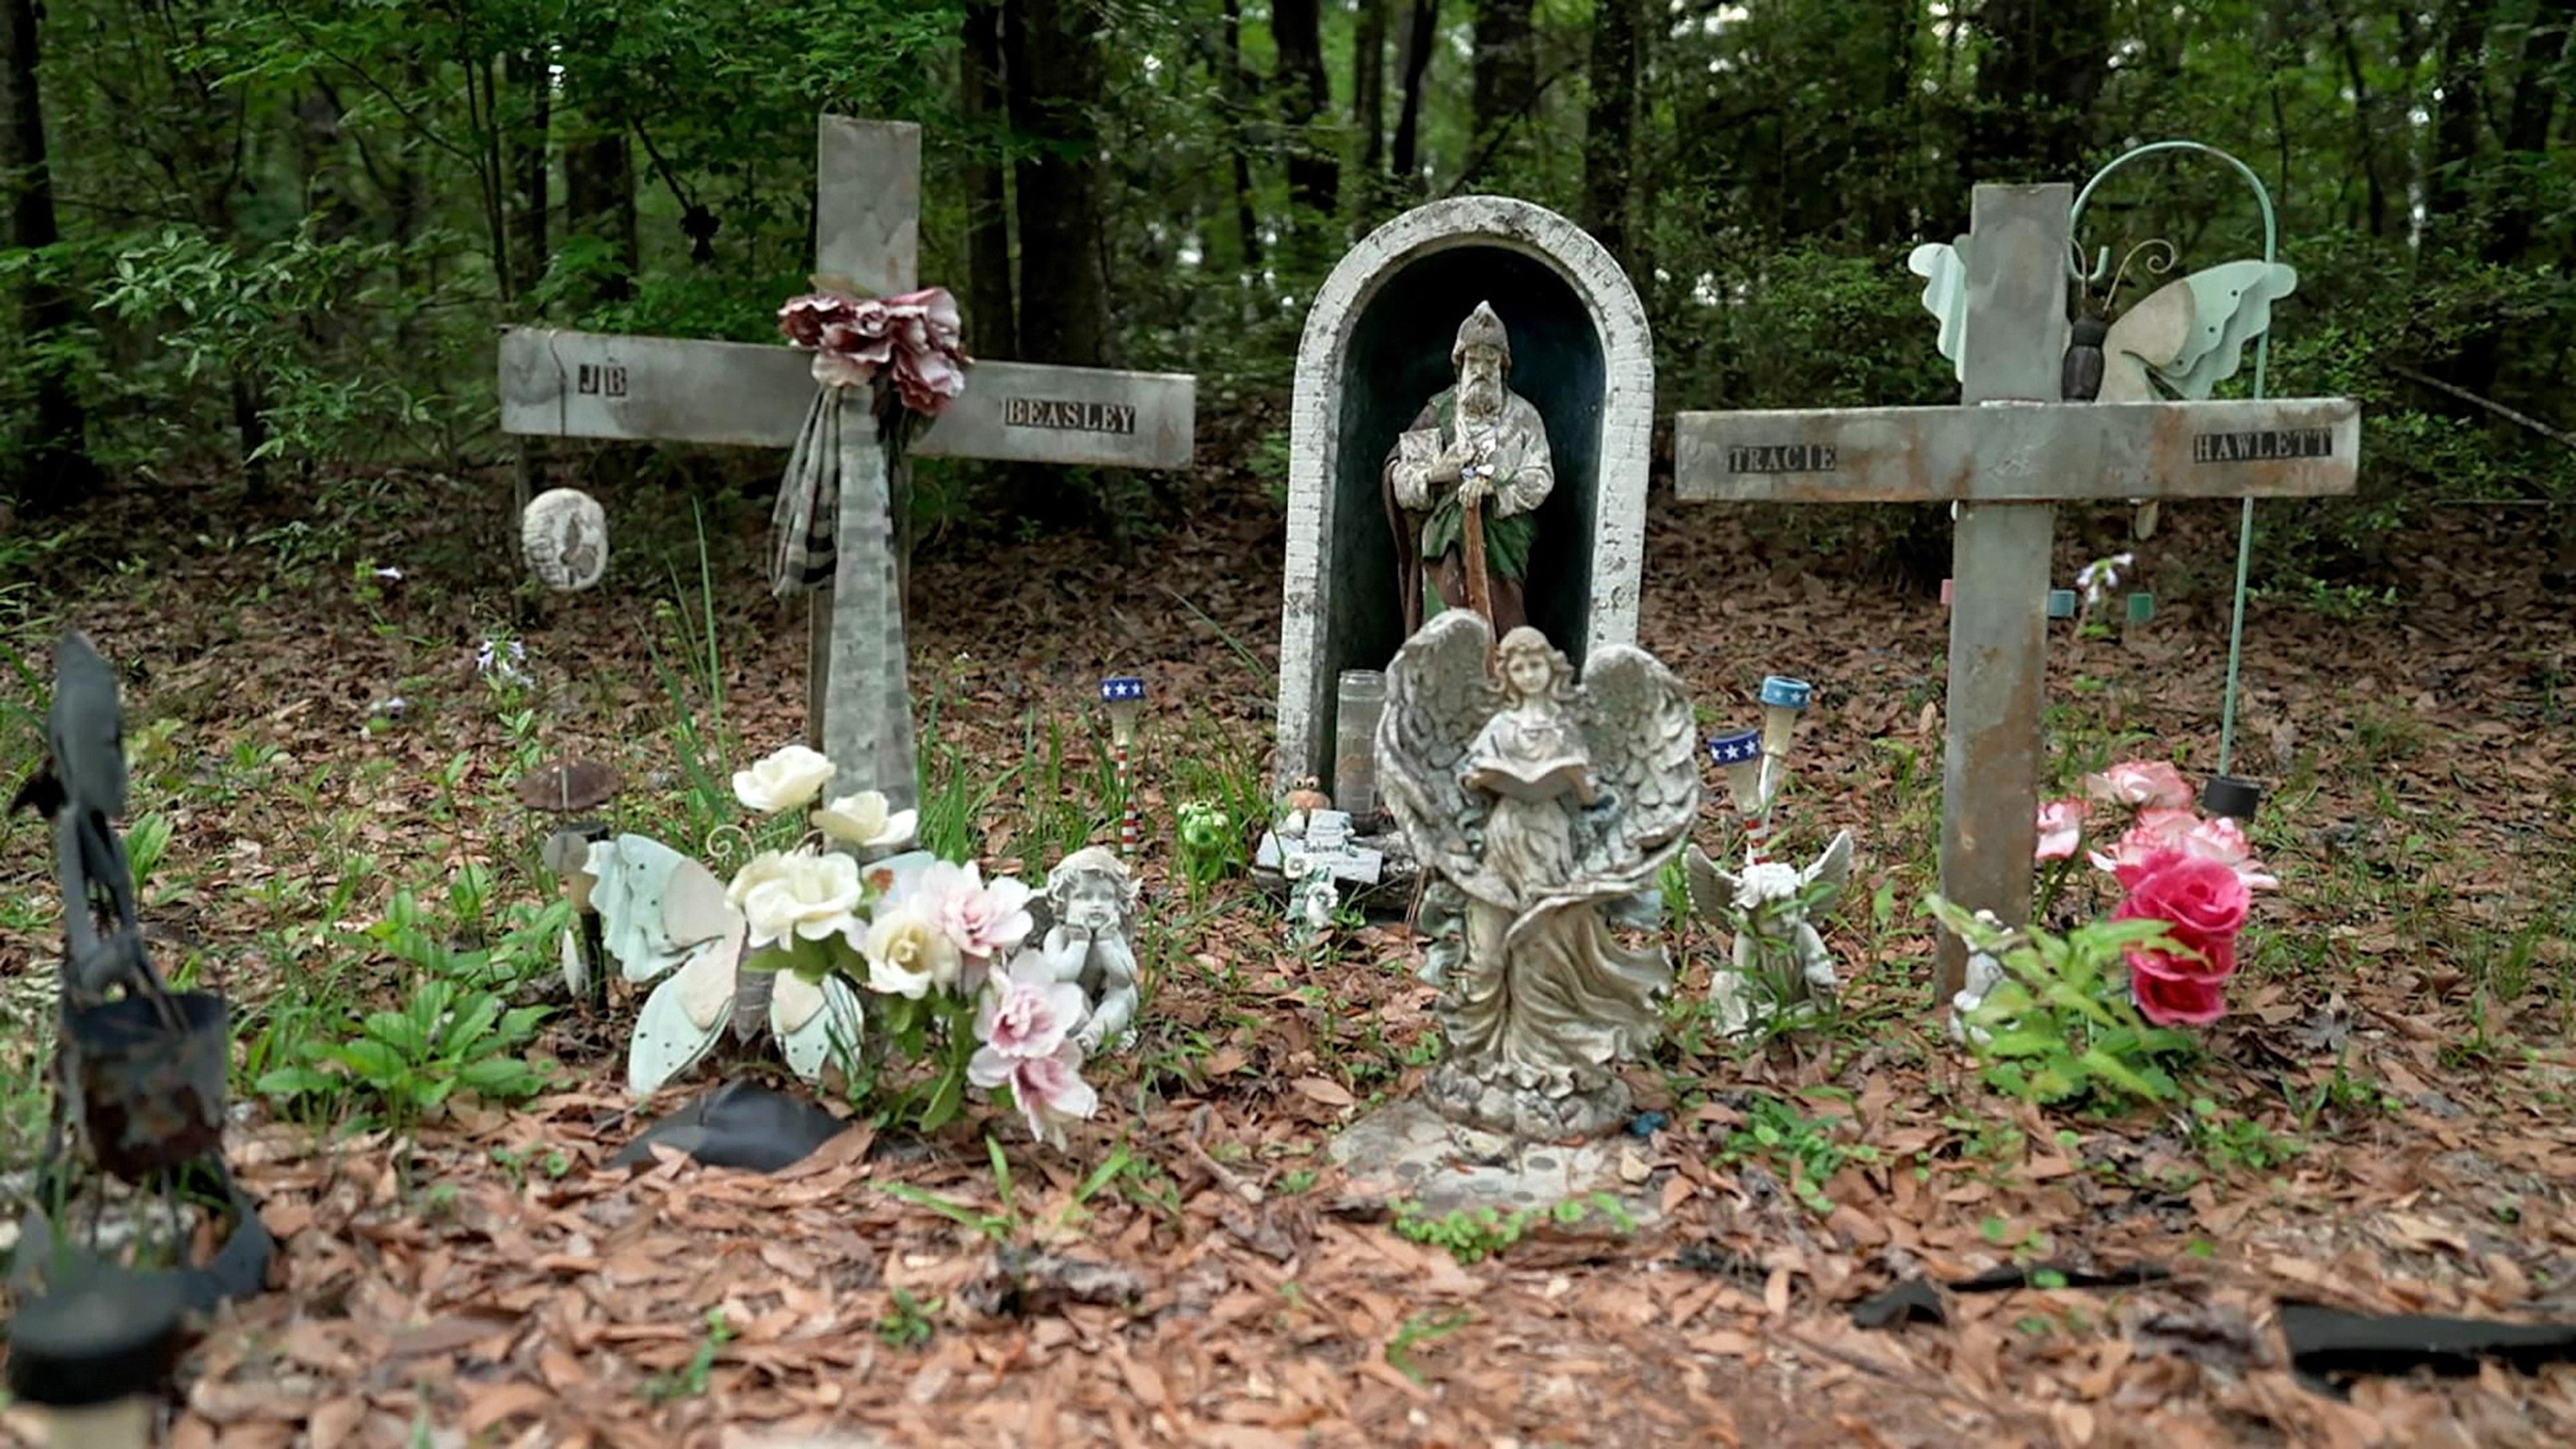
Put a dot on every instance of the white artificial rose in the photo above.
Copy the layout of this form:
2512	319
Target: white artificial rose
787	779
909	954
863	820
804	895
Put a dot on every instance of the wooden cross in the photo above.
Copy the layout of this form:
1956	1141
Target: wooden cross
867	216
2004	457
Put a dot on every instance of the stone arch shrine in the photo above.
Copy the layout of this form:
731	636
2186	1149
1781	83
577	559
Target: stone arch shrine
1376	347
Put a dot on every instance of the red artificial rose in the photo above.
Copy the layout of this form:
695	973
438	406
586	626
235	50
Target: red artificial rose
2203	898
2174	1001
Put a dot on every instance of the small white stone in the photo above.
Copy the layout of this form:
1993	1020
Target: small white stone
564	536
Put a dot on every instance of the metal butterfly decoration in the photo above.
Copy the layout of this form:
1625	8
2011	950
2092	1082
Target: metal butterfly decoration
2176	343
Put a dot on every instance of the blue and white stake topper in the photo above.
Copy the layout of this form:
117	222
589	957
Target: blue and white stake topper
1122	689
1781	692
1740	748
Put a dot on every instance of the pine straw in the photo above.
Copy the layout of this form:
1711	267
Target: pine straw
1217	1295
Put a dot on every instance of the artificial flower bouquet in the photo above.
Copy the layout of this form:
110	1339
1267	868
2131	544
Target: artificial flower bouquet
2057	1017
850	942
2195	874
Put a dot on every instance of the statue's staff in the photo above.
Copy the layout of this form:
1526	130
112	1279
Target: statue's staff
1471	526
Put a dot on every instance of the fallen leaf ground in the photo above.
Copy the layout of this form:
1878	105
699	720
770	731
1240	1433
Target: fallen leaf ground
2388	1108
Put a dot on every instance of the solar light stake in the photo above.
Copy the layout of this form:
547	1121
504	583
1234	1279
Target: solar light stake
1740	756
1783	700
1124	694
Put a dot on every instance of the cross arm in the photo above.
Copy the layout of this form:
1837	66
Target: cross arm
746	394
2020	452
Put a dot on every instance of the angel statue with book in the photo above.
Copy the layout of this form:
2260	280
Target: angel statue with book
1543	806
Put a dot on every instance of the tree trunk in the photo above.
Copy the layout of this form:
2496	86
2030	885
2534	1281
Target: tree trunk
1233	92
1421	33
1368	84
2042	68
54	470
530	181
1506	71
599	203
2462	78
1314	165
992	328
1609	134
2540	74
1056	70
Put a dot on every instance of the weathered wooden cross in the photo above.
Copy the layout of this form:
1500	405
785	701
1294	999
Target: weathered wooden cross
2005	457
867	211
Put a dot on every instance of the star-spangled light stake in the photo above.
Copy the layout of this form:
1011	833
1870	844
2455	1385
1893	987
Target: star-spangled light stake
1124	694
1783	700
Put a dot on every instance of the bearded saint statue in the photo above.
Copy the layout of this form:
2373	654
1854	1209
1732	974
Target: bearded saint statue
1481	443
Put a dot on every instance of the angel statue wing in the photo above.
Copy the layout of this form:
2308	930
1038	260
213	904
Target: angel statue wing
1943	266
2186	337
1644	743
1437	698
1712	886
1833	871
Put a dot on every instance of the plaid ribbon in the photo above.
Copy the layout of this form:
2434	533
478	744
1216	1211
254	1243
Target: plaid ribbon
802	554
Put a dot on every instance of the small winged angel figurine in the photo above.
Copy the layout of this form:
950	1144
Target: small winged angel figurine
1780	964
1541	806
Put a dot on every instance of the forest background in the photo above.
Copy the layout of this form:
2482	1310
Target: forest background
277	236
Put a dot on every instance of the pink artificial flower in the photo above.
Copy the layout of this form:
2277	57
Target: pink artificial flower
2156	785
984	920
2157	829
2177	1001
1026	1013
937	311
1050	1090
2061	827
2203	906
2223	840
803	320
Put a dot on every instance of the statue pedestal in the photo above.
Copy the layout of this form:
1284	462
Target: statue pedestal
1410	1153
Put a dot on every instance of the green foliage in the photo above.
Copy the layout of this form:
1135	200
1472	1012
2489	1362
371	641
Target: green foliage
1472	1235
1808	1149
2061	1029
405	1063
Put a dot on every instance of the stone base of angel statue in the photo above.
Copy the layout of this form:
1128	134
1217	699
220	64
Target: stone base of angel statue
1544	807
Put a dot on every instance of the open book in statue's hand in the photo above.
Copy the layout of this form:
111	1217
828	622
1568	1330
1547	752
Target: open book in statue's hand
1538	780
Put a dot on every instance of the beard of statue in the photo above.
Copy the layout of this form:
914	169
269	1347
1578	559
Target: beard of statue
1480	387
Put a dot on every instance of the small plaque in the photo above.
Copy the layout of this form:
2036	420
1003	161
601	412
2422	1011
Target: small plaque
602	379
1782	458
1069	417
2266	446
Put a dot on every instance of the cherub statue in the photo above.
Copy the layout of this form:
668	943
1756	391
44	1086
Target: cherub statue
1093	900
1780	964
1540	806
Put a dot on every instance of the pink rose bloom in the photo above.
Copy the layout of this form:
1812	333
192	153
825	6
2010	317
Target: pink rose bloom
2156	829
1050	1090
2223	840
984	920
1027	1013
2061	826
2203	906
2173	1001
803	319
2155	785
938	312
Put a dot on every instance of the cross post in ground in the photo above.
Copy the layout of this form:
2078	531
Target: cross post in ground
2005	457
867	214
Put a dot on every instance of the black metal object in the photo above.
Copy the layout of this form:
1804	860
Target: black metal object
2230	798
2080	379
140	1077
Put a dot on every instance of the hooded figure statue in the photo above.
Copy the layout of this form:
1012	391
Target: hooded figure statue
1477	442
